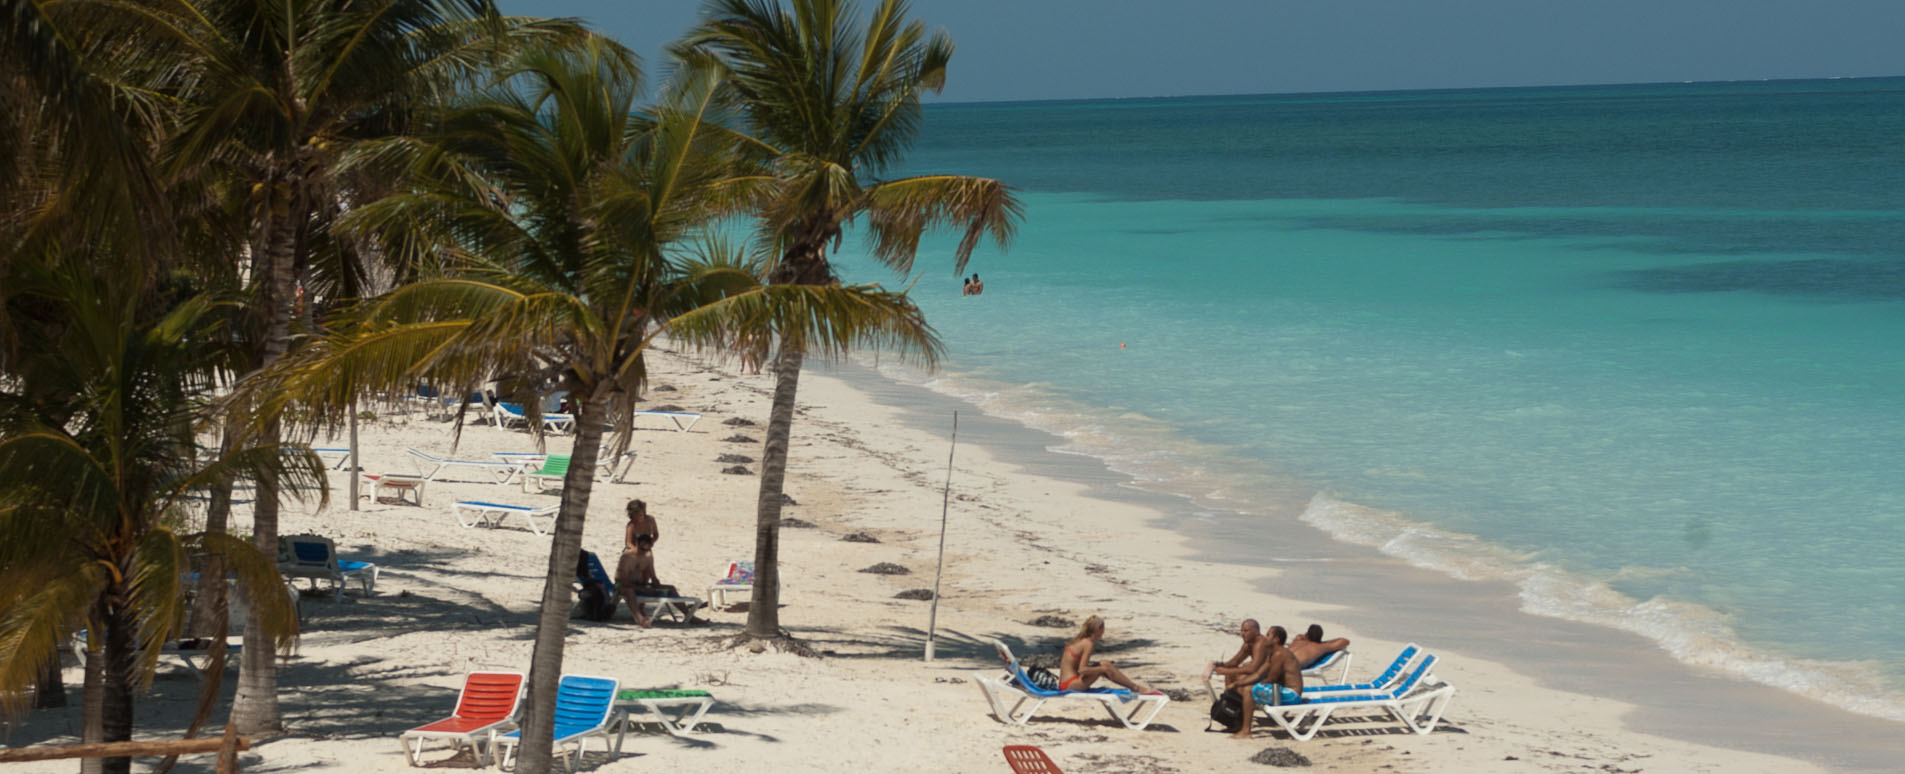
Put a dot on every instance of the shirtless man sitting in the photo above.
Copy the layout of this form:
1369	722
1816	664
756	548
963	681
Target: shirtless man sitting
1310	647
1246	660
1281	681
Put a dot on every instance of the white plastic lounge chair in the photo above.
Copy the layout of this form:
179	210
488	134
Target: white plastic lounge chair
583	707
739	580
1417	702
314	558
1017	685
680	609
616	470
511	414
684	420
327	455
552	470
679	710
488	702
187	653
471	513
396	484
431	466
1383	682
1337	661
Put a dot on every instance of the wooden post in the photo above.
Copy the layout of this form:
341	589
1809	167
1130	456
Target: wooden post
945	501
128	749
353	463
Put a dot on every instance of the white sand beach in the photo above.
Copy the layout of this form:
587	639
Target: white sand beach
451	599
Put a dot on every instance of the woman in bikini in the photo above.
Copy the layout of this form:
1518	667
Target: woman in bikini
637	565
1075	668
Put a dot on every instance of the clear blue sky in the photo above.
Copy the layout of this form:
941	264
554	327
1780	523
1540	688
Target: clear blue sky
1056	49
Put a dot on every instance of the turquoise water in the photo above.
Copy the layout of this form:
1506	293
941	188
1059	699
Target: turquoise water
1637	349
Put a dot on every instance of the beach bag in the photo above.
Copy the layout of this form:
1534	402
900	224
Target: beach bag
1228	710
595	602
1041	677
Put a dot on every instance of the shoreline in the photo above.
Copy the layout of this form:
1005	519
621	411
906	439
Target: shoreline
452	599
1378	591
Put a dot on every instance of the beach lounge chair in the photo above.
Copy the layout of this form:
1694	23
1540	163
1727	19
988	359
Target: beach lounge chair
678	608
1334	661
679	710
314	558
1026	759
186	652
471	513
739	580
552	469
583	707
432	466
1017	685
1396	670
396	484
1417	702
683	420
511	414
487	703
333	458
607	467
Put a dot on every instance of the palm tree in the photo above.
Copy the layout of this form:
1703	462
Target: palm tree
273	97
834	106
99	409
571	223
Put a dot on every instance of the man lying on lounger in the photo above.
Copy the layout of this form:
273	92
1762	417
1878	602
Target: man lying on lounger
1310	647
1248	657
1281	678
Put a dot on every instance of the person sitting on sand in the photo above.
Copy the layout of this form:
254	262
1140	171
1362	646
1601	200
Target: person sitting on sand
637	565
1277	681
1076	671
1310	647
1247	658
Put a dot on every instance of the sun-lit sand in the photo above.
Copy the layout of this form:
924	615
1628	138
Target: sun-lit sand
1019	546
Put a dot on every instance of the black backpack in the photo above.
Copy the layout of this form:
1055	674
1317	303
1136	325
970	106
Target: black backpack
595	602
1228	710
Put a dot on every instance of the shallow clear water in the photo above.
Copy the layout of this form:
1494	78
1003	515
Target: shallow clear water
1636	348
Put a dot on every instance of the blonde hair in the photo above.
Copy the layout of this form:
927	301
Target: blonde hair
1085	630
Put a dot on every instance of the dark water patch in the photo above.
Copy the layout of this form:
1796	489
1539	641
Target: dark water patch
1819	277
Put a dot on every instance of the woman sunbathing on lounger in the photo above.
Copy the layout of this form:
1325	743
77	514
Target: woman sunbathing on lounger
1076	671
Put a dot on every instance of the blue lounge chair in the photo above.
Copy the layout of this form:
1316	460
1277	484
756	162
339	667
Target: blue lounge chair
1418	702
1017	684
314	558
584	705
471	513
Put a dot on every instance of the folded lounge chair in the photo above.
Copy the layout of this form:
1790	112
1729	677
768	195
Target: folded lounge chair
679	710
1017	685
684	420
583	707
314	558
488	702
1417	702
498	472
471	513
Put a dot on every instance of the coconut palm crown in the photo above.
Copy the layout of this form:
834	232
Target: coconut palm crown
833	105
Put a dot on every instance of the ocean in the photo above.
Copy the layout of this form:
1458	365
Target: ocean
1636	350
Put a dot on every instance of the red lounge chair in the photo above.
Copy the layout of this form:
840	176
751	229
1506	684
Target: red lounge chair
1026	759
488	702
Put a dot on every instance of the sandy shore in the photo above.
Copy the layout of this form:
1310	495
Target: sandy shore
1019	546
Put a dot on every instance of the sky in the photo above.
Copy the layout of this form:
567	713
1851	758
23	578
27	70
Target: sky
1009	50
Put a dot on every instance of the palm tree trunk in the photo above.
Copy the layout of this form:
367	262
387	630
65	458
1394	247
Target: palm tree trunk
255	704
764	607
558	595
92	710
49	690
116	694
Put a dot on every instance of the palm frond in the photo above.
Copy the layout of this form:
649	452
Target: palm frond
817	320
900	211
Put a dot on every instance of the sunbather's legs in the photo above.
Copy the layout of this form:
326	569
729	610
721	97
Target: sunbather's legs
635	567
1250	709
1109	671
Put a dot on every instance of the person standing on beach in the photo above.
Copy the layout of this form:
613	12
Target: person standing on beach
1075	668
1310	647
1277	681
637	565
1247	658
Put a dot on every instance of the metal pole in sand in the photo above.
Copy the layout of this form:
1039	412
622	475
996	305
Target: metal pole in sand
354	467
945	499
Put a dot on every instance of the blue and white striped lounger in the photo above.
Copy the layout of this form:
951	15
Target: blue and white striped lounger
471	513
499	472
1417	702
